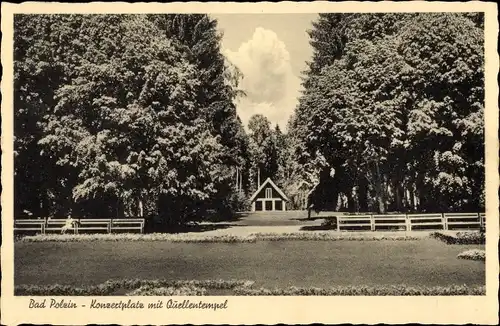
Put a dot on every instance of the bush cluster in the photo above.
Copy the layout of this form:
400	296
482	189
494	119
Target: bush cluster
62	290
473	254
238	287
397	290
330	222
326	236
110	286
136	237
471	237
189	238
168	291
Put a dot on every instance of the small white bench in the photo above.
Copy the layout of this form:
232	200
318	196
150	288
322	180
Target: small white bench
56	225
462	220
93	224
52	225
354	223
389	221
429	221
482	219
127	224
30	225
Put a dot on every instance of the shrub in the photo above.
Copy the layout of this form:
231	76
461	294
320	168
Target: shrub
471	238
239	202
137	237
238	287
200	238
167	291
62	290
327	236
473	254
110	286
330	223
461	237
396	290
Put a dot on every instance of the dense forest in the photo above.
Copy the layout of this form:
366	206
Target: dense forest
135	115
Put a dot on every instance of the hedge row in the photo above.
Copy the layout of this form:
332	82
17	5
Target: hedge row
110	286
168	291
189	238
137	237
326	236
471	237
400	290
244	288
473	254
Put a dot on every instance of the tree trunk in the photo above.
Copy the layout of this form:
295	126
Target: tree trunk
241	181
141	209
350	202
379	188
236	183
363	195
398	194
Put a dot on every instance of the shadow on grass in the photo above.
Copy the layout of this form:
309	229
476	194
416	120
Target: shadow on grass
206	227
196	228
318	228
236	217
309	219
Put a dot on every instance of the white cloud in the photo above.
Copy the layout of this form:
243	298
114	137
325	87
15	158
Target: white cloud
272	88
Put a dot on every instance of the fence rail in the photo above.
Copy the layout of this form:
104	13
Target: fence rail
44	226
362	222
412	222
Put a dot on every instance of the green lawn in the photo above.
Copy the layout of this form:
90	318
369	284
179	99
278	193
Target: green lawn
427	262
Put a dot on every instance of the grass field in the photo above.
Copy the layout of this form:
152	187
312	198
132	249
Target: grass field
426	262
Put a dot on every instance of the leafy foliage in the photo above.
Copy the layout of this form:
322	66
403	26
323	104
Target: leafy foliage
110	106
395	107
473	254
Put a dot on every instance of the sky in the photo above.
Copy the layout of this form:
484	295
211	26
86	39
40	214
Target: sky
271	51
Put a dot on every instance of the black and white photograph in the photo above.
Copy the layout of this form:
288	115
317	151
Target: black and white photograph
248	154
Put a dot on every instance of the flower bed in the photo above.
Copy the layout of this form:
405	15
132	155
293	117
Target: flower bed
168	291
137	237
190	238
326	236
399	290
461	237
146	286
473	254
238	288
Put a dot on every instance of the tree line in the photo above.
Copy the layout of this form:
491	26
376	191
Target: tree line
128	115
120	115
392	115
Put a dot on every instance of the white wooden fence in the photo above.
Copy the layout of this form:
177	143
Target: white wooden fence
44	226
411	222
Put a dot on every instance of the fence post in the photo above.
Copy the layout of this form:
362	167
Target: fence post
408	223
444	221
372	222
76	226
338	223
109	225
43	228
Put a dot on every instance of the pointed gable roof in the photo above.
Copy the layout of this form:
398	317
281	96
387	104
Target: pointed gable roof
270	182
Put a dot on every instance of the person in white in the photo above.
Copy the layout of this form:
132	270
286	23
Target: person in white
69	225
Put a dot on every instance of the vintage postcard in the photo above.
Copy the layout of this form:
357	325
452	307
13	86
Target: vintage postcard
249	163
